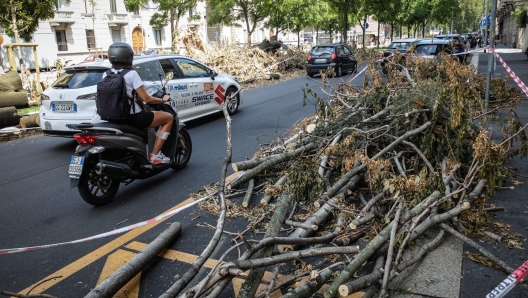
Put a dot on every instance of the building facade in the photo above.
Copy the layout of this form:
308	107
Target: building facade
82	27
507	28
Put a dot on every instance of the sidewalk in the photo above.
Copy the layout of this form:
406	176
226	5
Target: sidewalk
478	280
447	271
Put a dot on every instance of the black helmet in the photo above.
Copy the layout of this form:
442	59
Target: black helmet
120	52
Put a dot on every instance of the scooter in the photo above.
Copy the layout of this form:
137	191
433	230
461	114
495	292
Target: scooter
111	153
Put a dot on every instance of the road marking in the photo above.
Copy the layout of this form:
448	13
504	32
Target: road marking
95	255
112	264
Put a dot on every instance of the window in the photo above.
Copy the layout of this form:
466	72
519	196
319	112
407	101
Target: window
62	43
191	69
347	51
167	66
113	6
90	39
116	35
157	36
192	11
149	71
73	79
58	4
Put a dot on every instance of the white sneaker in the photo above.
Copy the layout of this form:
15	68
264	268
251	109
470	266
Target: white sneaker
158	159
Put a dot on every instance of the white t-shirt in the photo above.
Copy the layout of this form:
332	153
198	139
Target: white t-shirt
132	81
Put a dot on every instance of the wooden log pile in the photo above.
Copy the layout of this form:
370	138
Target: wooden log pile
366	176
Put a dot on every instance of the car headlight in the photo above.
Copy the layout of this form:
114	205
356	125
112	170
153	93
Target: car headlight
44	97
92	96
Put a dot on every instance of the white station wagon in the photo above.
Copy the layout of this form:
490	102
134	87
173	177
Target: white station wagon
196	90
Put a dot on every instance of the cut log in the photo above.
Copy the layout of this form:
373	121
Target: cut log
249	193
11	81
317	219
270	163
123	275
30	120
9	117
265	200
11	98
249	164
309	288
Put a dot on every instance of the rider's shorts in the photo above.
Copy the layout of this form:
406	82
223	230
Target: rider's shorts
140	120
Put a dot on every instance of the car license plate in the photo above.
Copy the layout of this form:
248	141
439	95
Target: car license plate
64	107
320	60
76	165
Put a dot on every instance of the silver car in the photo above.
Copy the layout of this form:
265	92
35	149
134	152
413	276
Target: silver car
196	89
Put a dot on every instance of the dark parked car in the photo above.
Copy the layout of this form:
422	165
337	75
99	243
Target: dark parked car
400	45
457	44
337	56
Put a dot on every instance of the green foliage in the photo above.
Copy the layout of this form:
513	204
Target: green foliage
520	16
304	182
25	16
159	20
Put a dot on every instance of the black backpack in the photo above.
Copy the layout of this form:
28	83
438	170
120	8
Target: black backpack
113	103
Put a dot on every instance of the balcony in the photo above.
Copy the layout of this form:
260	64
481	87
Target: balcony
117	19
62	18
193	21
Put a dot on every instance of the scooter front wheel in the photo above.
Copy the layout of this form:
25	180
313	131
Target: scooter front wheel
95	189
183	150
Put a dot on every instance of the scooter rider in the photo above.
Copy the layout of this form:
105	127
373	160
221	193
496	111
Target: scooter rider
120	54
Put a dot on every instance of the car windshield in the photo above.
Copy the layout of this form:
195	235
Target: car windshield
323	50
75	79
400	45
426	49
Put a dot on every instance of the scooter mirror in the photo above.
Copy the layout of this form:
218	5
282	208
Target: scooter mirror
168	76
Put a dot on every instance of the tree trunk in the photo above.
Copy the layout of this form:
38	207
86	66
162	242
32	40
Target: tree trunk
17	37
9	117
18	100
249	287
30	120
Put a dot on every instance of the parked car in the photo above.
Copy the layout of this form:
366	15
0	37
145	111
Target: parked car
431	49
196	90
457	44
337	56
399	45
92	58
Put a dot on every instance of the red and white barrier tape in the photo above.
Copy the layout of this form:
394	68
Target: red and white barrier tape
363	70
114	232
512	74
513	279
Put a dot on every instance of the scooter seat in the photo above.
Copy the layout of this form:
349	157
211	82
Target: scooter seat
143	133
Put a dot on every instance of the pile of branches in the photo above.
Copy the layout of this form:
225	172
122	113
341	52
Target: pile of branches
359	181
245	63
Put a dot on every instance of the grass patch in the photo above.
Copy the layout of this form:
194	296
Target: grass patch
28	110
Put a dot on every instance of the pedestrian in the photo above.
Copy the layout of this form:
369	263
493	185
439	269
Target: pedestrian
526	52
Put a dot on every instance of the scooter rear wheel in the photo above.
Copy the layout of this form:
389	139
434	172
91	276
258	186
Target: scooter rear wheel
183	153
96	190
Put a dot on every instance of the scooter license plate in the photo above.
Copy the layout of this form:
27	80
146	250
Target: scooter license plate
76	165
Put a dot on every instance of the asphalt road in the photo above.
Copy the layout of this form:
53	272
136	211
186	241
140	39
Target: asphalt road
38	206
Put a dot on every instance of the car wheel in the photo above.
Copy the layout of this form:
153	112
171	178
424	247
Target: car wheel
232	103
183	150
311	75
339	71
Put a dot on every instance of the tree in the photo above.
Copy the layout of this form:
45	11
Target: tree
20	18
344	7
173	9
231	12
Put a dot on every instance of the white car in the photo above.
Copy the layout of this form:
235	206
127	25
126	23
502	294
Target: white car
196	89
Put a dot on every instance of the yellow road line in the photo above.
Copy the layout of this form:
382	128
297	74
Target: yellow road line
88	259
